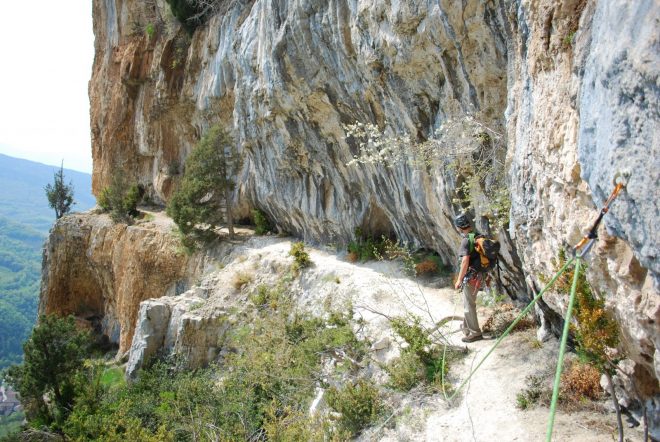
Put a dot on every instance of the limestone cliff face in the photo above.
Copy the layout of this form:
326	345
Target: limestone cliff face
100	271
285	76
574	84
583	108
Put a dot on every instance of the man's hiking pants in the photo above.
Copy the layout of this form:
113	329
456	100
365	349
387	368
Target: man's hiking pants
470	321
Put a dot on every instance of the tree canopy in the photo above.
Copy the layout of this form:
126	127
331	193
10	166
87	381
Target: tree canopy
60	195
53	355
202	201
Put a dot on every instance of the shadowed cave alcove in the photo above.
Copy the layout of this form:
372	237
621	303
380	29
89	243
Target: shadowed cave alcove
376	224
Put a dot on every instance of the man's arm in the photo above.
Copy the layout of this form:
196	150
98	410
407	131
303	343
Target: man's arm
465	263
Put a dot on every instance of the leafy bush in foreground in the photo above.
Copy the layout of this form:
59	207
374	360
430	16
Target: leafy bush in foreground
261	389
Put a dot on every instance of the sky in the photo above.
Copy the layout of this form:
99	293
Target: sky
47	50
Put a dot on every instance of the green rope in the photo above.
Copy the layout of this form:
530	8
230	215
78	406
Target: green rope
513	324
562	349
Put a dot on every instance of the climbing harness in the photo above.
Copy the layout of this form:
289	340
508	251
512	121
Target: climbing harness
580	251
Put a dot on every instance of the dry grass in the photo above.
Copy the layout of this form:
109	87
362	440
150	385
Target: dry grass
579	389
581	381
241	279
502	317
425	267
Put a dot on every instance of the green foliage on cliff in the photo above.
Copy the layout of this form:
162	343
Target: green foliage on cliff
10	425
202	202
262	224
300	256
120	199
189	12
24	222
425	360
59	194
260	389
22	194
359	404
595	329
53	357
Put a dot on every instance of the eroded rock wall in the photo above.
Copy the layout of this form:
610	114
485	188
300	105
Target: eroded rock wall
285	76
101	272
583	110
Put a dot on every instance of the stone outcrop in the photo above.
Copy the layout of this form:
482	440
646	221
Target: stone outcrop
173	325
194	324
574	84
100	271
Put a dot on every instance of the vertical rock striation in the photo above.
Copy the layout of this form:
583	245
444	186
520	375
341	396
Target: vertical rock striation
285	76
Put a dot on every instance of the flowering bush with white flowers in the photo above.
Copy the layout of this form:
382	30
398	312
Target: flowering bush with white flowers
467	147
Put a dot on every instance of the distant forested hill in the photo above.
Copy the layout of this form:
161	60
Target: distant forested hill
25	219
22	196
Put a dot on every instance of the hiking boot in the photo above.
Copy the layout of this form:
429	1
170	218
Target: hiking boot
472	338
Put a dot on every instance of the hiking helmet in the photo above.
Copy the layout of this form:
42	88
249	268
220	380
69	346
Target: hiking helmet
462	221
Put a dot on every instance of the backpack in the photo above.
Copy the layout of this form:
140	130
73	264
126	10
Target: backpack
488	250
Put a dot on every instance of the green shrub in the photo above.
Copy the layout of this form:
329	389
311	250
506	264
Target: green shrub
359	404
261	223
595	329
412	331
183	10
202	202
406	371
10	425
366	249
266	297
522	402
262	386
568	39
432	357
150	30
112	377
120	199
537	391
288	424
53	356
59	194
300	256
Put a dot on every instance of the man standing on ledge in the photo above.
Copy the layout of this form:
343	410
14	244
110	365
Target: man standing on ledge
468	278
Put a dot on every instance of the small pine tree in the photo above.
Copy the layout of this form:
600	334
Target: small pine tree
54	353
60	195
203	200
